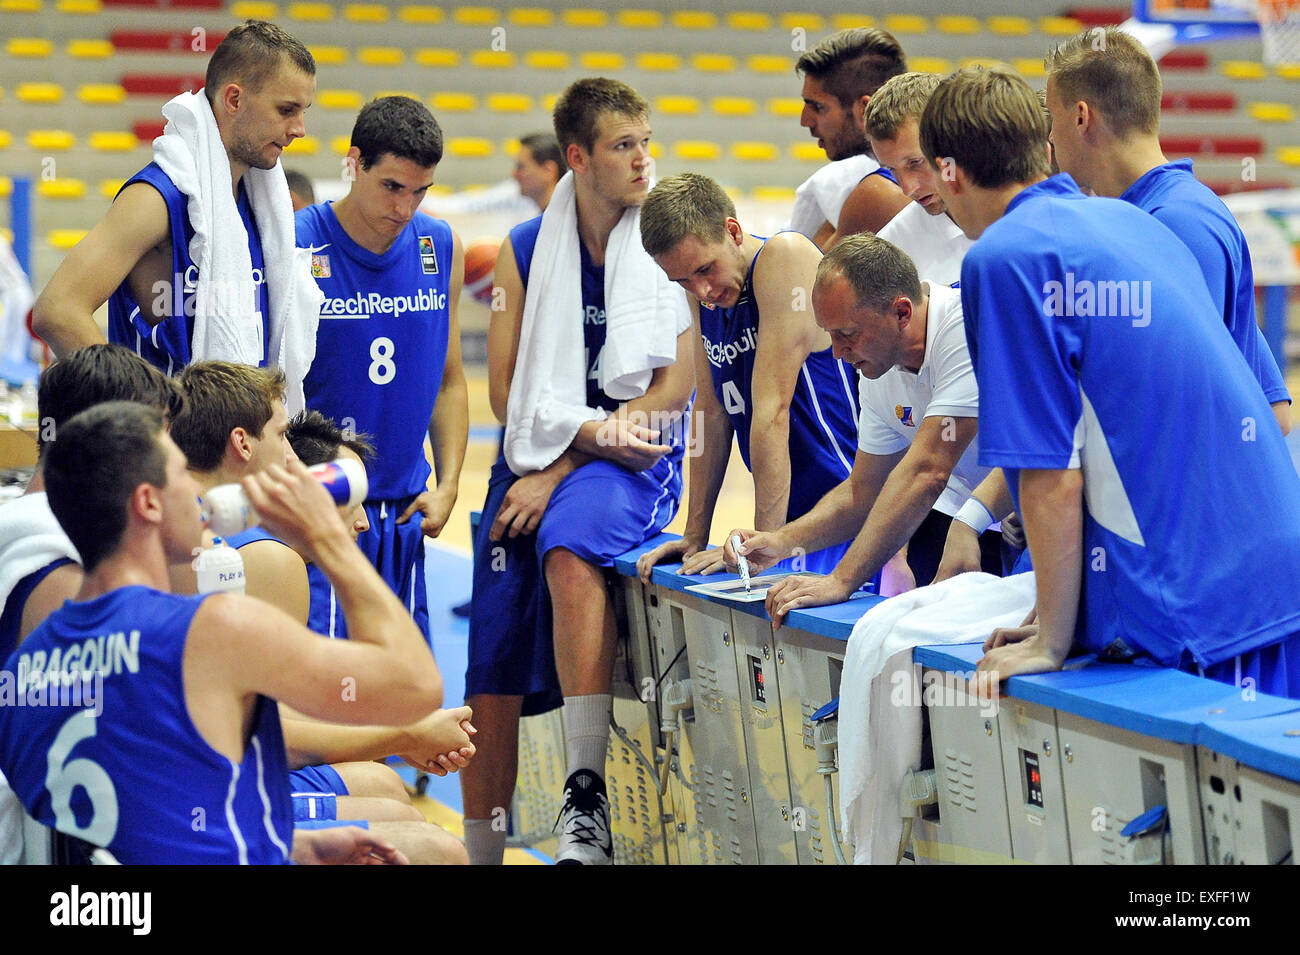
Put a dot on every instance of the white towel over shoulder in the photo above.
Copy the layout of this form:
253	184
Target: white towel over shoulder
191	153
881	741
644	314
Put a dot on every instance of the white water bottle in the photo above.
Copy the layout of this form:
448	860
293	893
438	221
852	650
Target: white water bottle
227	512
220	569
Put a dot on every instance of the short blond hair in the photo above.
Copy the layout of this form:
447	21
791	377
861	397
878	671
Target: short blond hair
989	123
221	396
689	204
903	97
1113	73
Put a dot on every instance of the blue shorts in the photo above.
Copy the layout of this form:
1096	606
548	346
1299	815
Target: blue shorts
1274	669
598	512
317	779
308	807
397	552
330	823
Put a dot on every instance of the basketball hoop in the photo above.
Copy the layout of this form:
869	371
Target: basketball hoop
1279	27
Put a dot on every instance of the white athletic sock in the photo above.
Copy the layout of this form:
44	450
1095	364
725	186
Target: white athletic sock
586	731
485	845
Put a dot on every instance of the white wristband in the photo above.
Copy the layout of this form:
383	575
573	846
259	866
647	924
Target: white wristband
975	516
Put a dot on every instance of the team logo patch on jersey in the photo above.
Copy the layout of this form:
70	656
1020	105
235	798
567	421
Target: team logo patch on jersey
904	413
320	266
428	258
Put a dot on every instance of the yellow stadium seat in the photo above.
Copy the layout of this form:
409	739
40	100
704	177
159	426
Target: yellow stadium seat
83	7
253	10
677	105
772	194
476	16
113	141
5	138
785	106
748	20
802	21
6	189
328	55
491	59
437	57
1243	70
20	6
509	103
510	147
906	23
657	150
957	25
8	235
696	150
984	61
1031	68
549	101
713	63
693	19
639	19
420	13
807	152
305	146
366	13
764	63
380	56
89	49
1289	155
1060	26
101	94
40	92
852	21
532	17
754	151
61	189
546	60
340	145
109	188
29	47
1271	112
929	64
311	12
470	147
733	106
1288	71
438	189
407	93
64	239
453	103
585	19
1010	26
601	61
659	62
51	139
350	100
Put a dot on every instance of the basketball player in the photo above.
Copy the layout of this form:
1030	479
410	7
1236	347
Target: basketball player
764	371
259	83
550	531
852	194
538	167
1080	311
388	345
180	757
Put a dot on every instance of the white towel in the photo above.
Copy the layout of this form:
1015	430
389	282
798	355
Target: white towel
822	194
30	538
644	314
881	740
191	153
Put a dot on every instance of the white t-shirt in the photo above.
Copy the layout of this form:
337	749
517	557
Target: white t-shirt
935	243
894	405
822	195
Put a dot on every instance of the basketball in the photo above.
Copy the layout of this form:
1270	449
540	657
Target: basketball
480	264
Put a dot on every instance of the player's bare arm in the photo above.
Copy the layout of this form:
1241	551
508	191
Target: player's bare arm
787	334
961	550
133	239
504	330
276	573
868	208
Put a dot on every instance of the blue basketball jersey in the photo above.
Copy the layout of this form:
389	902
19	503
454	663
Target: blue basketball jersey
382	341
166	345
1097	346
126	769
1196	215
823	411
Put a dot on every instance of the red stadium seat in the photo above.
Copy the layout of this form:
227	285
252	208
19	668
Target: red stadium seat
1212	145
162	41
1193	101
168	4
1185	60
160	84
147	130
1100	16
1227	186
